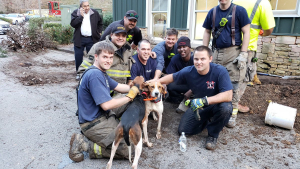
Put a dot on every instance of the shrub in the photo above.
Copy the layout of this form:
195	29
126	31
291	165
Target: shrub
36	21
61	35
50	25
3	53
55	18
108	19
30	39
6	20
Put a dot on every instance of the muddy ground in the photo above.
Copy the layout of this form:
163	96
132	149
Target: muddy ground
38	104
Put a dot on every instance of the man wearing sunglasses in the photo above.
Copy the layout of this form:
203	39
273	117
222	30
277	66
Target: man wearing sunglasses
134	34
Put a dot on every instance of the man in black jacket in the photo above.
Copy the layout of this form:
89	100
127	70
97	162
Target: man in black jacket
88	28
134	34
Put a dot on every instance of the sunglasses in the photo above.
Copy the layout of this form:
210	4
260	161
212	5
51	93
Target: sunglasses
132	15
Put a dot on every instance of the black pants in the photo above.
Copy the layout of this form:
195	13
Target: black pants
175	91
218	113
86	42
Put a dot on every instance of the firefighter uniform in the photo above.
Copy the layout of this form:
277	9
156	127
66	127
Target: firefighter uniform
122	62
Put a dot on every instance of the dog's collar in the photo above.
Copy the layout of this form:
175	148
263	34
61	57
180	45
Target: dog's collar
149	98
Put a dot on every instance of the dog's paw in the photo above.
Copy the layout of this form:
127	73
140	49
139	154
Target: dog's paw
149	144
158	135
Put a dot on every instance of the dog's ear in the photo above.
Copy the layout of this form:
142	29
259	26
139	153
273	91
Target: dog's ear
144	87
138	80
164	89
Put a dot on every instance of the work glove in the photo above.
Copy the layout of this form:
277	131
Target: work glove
198	103
133	92
241	60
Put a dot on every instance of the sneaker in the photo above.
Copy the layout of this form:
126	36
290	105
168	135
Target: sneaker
211	143
77	77
243	109
182	107
78	144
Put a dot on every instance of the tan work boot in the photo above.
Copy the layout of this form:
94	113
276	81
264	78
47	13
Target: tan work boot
182	107
232	121
256	80
243	109
78	144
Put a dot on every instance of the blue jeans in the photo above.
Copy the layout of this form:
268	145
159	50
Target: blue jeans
86	42
219	114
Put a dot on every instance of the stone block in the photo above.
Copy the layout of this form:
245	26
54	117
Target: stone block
282	45
279	72
294	64
266	39
282	66
286	39
295	48
294	54
261	56
295	73
295	61
271	58
268	48
279	60
259	42
297	41
274	65
262	70
271	36
263	66
273	40
272	70
294	57
280	53
285	49
293	67
298	37
258	50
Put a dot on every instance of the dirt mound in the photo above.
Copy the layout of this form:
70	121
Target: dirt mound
275	89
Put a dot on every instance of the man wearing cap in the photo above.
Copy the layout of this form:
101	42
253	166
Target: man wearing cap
88	28
134	34
120	69
144	64
97	113
181	60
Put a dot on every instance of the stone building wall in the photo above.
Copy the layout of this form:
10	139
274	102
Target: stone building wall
279	55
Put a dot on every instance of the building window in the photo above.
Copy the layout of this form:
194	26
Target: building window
201	9
283	4
159	17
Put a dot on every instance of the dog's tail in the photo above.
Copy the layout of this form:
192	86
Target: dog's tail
126	138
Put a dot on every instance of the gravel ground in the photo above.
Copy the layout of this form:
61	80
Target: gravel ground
38	103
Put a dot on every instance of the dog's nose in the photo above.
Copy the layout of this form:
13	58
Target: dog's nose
156	94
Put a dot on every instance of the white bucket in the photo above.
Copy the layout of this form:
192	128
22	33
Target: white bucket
280	115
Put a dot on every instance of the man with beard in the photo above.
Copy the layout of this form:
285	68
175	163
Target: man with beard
134	34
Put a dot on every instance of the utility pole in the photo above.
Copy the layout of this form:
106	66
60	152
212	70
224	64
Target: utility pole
40	11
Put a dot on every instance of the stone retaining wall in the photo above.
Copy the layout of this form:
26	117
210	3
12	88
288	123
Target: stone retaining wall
279	55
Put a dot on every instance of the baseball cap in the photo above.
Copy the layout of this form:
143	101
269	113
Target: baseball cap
184	41
131	14
118	28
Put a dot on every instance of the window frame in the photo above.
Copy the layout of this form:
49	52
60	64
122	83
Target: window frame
287	13
149	20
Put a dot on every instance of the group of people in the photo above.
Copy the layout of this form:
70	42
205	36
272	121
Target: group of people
213	79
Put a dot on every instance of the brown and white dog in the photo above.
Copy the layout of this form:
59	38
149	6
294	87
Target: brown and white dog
154	90
129	128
